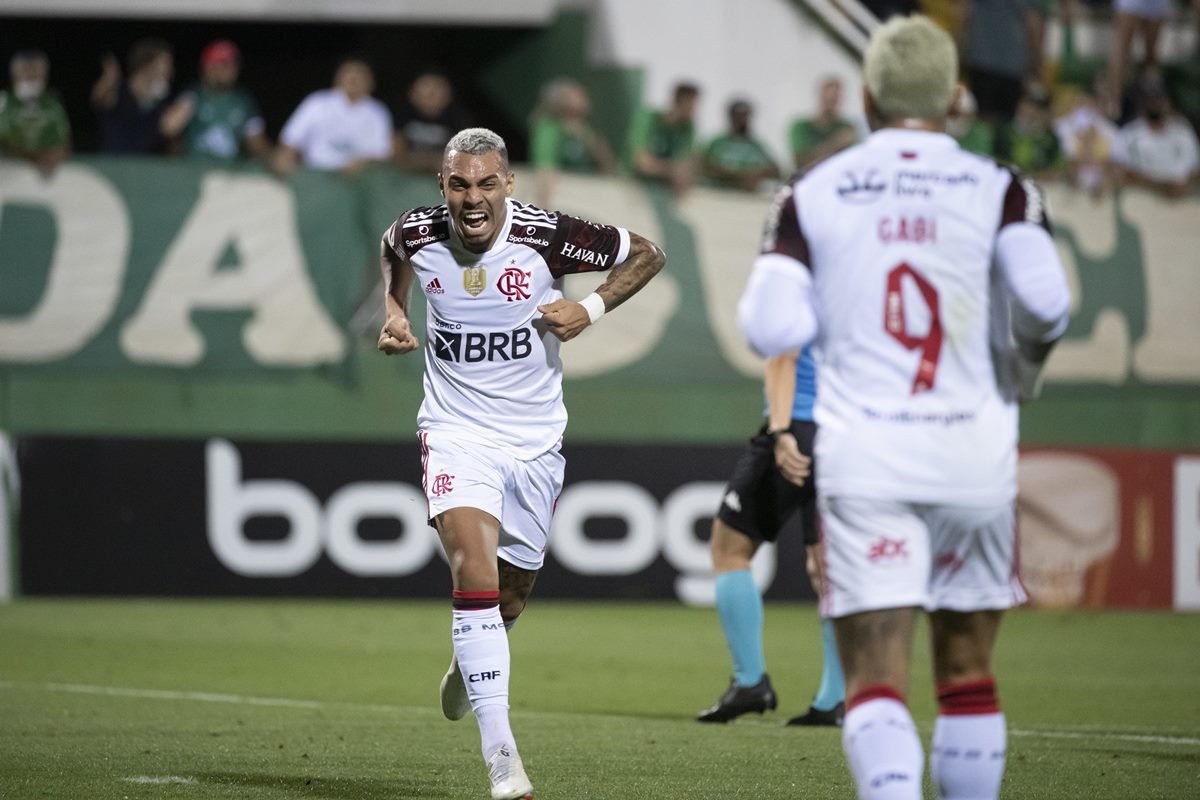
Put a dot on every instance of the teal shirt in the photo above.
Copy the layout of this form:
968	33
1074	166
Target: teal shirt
29	128
554	146
806	135
651	132
220	123
738	153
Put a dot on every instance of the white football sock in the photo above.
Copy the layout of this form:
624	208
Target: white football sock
967	758
883	749
481	646
969	740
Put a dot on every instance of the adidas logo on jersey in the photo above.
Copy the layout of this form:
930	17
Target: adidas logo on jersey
732	501
434	287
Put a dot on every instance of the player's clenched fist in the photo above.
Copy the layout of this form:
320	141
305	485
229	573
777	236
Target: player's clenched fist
564	318
397	337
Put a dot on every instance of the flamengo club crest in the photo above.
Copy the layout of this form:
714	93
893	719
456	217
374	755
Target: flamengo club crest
442	483
475	280
514	284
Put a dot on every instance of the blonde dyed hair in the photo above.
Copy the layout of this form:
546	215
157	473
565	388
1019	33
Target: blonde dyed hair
910	69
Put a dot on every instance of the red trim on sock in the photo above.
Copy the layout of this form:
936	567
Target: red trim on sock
878	691
968	697
475	601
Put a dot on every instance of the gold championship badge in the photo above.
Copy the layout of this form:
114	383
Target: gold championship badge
474	280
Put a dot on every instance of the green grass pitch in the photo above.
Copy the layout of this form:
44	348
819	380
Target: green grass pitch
283	699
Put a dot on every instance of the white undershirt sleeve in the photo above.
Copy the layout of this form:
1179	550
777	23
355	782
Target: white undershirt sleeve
776	312
1041	301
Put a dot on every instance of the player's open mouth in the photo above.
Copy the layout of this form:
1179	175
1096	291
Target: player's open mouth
474	221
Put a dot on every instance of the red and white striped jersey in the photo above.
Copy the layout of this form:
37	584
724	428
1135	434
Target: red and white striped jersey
905	254
490	374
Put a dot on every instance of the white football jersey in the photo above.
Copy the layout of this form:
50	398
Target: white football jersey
490	373
899	235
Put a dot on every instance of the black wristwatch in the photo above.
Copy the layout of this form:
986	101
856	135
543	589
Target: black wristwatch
774	434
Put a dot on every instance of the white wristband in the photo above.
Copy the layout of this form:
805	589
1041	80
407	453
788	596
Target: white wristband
594	304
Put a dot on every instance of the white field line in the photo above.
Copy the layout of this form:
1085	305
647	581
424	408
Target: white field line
156	780
318	705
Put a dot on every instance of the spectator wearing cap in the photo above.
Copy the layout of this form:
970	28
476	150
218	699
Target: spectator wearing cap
340	129
1159	150
217	118
736	159
130	111
33	122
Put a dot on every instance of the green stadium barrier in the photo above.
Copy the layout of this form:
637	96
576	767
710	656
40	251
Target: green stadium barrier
154	297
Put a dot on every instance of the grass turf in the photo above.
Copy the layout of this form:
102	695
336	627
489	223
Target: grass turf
281	699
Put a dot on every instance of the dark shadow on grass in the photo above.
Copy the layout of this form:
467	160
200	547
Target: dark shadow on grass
333	788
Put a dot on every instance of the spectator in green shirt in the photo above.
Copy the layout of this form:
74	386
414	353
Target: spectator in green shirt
33	122
561	140
736	159
661	142
217	118
815	138
1029	141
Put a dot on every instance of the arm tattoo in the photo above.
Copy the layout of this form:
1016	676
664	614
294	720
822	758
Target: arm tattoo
624	280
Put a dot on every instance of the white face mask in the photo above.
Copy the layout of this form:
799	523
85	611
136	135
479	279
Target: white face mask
28	90
158	90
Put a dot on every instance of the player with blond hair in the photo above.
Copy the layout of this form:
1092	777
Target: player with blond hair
928	281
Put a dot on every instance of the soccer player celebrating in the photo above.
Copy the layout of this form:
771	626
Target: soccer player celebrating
492	419
929	281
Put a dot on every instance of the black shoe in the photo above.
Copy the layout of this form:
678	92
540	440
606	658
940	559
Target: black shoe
815	716
739	700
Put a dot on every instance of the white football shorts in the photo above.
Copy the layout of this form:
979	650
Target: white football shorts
882	554
461	472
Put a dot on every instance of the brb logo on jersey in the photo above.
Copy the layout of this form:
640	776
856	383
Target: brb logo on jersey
473	348
514	284
442	484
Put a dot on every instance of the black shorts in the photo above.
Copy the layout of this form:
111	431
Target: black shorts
760	502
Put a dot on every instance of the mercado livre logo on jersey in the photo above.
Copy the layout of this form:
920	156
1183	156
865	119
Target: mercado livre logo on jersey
475	280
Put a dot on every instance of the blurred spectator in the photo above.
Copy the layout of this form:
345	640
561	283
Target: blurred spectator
218	118
661	142
33	122
1132	17
998	54
736	159
1159	150
342	129
131	111
426	120
972	134
1090	144
1029	141
885	9
562	140
818	137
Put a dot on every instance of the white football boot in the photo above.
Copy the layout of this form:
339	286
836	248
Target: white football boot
507	774
455	703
